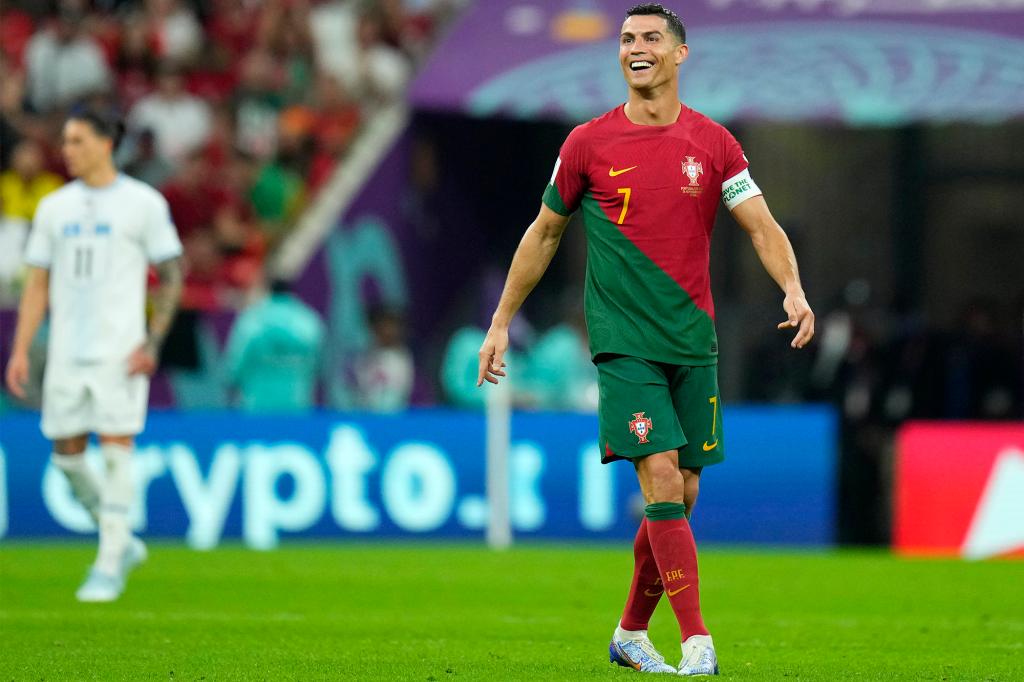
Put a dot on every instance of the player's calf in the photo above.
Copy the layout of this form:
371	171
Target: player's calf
660	478
85	485
118	496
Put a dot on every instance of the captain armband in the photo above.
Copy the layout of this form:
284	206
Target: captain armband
738	189
554	173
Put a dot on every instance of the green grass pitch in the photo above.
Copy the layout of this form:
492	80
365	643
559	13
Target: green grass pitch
442	612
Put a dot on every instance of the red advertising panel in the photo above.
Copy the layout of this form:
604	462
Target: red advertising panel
959	489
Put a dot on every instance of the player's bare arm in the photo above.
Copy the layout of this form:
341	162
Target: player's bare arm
31	311
531	260
776	254
164	307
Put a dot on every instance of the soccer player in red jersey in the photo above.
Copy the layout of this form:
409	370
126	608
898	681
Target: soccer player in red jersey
648	177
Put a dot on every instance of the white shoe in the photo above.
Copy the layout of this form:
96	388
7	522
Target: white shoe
100	587
135	554
638	654
699	656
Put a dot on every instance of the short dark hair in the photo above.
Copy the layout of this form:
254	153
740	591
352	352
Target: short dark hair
105	124
675	24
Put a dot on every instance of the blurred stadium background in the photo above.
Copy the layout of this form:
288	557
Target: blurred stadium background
350	179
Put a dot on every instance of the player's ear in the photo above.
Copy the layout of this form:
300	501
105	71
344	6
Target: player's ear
682	52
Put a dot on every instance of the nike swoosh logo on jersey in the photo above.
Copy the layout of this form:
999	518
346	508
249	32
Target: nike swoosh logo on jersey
612	172
709	448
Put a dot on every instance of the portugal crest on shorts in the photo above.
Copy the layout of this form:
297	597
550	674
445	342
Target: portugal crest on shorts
641	426
693	169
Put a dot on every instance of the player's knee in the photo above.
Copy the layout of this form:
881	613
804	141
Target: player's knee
71	446
660	479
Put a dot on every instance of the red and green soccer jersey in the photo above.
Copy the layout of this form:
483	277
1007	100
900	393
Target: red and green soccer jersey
649	195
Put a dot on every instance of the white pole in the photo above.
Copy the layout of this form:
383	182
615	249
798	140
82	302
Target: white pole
499	436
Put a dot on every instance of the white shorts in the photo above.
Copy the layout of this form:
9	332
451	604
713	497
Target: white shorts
101	399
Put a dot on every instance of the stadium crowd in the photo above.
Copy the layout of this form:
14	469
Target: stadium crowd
237	110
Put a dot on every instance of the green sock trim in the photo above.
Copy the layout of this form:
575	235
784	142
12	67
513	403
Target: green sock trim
664	511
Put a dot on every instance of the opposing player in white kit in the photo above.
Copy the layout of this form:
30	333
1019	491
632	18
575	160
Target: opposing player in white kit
89	252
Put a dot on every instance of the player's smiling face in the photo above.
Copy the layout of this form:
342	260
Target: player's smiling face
649	53
84	149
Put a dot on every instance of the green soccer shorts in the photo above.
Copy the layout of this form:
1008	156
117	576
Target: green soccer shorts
647	407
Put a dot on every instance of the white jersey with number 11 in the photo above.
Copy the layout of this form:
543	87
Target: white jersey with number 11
97	244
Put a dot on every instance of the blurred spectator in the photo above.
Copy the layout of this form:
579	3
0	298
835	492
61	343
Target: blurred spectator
382	71
223	248
231	28
136	61
332	25
412	24
334	126
15	121
257	103
253	231
295	144
177	34
559	371
195	195
284	33
273	353
144	163
64	64
221	145
16	29
384	373
981	369
181	122
277	195
350	48
910	356
27	181
13	234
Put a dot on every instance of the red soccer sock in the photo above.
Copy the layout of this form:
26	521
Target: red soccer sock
646	590
676	554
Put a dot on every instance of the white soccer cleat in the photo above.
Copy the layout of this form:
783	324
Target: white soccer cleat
638	654
100	587
698	656
135	554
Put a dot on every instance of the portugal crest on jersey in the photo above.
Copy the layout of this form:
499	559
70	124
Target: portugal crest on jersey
693	169
641	426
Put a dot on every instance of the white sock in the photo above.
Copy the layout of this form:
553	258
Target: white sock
85	485
116	503
629	635
695	640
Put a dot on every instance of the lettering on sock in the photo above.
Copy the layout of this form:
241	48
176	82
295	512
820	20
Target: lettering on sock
672	578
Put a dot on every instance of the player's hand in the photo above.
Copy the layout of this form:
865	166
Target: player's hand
491	354
142	361
17	374
801	318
